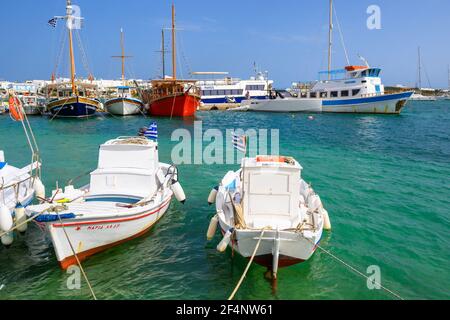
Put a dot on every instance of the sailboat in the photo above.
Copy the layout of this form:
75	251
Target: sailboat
419	96
124	104
171	97
75	99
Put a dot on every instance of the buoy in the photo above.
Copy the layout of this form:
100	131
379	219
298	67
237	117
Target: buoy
178	191
326	220
212	228
311	118
6	220
222	246
7	239
39	188
213	195
21	218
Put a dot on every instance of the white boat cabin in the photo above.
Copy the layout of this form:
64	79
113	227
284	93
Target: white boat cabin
357	82
271	192
127	167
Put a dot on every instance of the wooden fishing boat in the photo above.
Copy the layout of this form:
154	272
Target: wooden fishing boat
78	101
128	193
267	199
171	97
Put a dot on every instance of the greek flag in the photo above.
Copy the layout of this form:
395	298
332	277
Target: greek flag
52	22
152	132
240	142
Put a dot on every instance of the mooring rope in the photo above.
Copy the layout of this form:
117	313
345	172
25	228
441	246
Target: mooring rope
357	271
248	267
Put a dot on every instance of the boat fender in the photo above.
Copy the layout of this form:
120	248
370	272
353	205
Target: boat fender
212	227
326	219
6	220
20	218
7	239
213	195
39	188
178	191
223	244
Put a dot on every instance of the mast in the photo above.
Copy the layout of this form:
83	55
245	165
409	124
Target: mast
123	55
174	54
72	56
330	40
163	52
420	71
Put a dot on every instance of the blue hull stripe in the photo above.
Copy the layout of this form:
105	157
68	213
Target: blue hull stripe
386	97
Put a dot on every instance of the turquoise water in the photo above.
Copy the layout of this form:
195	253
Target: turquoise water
385	181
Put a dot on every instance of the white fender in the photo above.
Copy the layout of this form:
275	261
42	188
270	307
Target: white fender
21	217
6	220
39	188
178	191
222	246
326	220
7	239
213	195
212	227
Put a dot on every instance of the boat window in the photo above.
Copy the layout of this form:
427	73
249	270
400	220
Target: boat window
334	94
324	94
254	88
304	95
214	92
313	95
355	92
344	93
364	73
364	81
81	94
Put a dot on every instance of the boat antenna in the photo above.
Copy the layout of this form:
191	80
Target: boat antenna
364	60
330	40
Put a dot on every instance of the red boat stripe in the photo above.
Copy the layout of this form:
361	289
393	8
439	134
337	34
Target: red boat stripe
59	225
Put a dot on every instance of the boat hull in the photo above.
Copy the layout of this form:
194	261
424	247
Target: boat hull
75	107
183	105
294	247
383	104
89	237
124	106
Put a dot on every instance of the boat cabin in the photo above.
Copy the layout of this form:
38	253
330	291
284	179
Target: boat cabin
64	90
271	191
166	88
126	167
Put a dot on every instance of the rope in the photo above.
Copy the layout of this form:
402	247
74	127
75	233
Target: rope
341	36
76	257
247	268
357	271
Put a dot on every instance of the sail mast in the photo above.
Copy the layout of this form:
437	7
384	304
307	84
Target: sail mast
330	40
163	52
123	55
420	70
72	57
174	55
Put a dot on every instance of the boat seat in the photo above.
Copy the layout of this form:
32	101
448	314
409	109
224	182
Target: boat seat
273	223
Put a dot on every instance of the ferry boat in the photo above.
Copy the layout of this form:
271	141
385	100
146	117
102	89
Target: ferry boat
171	97
229	90
124	103
78	100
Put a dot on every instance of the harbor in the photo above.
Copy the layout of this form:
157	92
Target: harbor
212	185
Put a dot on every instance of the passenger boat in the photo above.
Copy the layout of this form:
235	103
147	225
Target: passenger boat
232	91
18	187
80	100
354	89
128	193
124	103
267	199
171	97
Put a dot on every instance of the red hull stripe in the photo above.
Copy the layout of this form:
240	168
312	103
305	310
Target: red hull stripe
59	225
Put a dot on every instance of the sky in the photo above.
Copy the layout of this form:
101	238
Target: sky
287	38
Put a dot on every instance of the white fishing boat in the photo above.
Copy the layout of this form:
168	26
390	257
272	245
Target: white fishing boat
421	97
18	187
124	104
268	201
128	193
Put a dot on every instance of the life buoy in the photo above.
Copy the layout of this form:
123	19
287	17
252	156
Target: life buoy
15	108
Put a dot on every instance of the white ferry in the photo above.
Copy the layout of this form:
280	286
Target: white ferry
231	90
360	90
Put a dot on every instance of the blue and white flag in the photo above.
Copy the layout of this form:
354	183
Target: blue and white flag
52	22
240	142
152	132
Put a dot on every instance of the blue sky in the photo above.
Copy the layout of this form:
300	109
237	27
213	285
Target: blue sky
286	37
